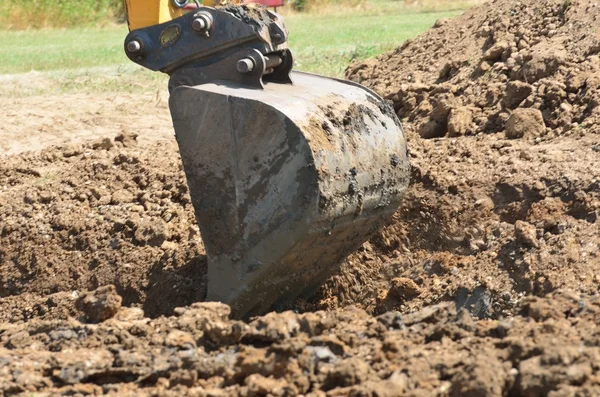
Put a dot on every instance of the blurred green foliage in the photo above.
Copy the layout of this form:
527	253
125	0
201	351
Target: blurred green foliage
36	14
312	5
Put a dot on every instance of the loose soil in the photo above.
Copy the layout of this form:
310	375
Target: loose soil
485	283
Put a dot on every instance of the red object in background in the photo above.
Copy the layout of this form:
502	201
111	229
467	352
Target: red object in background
268	3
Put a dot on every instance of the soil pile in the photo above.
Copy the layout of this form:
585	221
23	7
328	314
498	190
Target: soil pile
513	66
505	203
437	351
81	216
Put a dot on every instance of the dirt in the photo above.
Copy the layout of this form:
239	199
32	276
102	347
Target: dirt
485	283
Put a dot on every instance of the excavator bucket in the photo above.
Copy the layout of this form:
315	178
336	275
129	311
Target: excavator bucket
286	181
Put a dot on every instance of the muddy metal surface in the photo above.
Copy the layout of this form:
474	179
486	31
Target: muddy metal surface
486	284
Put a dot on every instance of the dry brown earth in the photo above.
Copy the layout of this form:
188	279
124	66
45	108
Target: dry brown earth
485	284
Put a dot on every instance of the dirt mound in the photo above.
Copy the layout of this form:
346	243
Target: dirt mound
437	351
489	219
467	76
486	282
105	212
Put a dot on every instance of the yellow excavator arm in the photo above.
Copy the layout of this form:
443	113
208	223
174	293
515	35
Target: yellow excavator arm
143	13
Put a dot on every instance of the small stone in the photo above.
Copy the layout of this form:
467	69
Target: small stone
440	22
579	373
404	288
485	203
484	67
516	92
72	150
127	138
103	144
99	305
130	314
459	121
122	197
525	122
494	53
180	340
526	234
432	129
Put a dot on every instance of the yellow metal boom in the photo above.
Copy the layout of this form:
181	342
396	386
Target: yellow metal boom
142	13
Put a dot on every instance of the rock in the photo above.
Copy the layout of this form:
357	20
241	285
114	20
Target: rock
539	66
478	302
442	109
180	339
494	53
525	122
127	138
483	67
122	197
151	233
346	373
274	327
103	144
72	151
459	121
183	377
404	288
440	22
99	305
516	92
526	234
432	129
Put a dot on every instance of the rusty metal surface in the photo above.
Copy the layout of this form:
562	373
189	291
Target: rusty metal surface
286	181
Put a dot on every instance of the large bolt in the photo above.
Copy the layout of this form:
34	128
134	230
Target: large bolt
202	22
134	46
199	24
245	65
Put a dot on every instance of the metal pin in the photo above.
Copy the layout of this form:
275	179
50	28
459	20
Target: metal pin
134	46
199	24
245	65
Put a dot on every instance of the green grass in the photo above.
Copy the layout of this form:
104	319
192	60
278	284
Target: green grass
328	44
93	57
52	49
35	14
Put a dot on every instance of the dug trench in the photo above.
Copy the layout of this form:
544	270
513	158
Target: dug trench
484	284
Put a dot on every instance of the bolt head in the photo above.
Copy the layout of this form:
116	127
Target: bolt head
245	65
134	46
199	24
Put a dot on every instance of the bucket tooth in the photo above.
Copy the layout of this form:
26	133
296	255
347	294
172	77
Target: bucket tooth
286	181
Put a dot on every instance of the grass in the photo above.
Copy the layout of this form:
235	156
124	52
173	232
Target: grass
328	44
323	42
52	49
35	14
